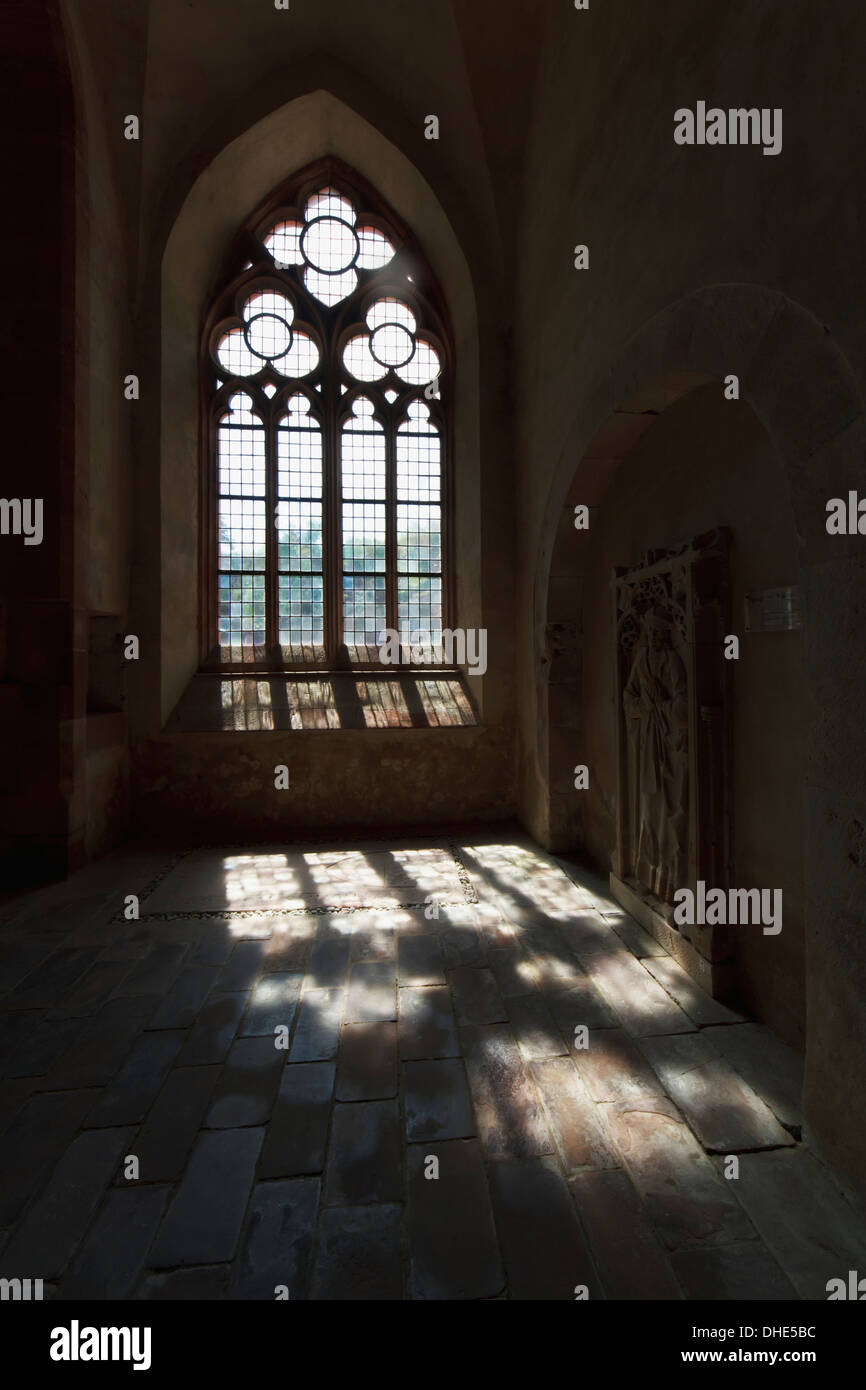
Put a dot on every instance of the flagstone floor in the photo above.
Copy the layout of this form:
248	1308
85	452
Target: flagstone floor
350	1071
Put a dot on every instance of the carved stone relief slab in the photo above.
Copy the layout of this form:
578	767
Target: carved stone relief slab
671	619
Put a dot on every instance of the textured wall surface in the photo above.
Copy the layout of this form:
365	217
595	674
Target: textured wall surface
556	128
719	469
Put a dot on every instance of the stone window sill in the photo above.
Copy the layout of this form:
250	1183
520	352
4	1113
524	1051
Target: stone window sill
214	703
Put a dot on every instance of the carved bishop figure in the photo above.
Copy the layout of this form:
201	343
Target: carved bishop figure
655	701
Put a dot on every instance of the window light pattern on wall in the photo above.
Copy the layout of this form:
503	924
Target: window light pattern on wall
329	454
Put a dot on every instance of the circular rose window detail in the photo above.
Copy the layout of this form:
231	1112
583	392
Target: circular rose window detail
268	335
392	345
330	245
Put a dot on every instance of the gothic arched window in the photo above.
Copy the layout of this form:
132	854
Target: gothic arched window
327	389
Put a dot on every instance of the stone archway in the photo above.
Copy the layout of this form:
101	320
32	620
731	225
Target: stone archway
237	178
803	391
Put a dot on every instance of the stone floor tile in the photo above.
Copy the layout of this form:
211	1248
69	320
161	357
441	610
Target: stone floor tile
501	937
476	997
634	937
99	933
329	964
643	1008
99	1049
242	968
215	944
426	1025
317	1029
452	1239
688	1203
92	990
587	933
209	880
21	955
163	1143
769	1066
625	1248
487	917
541	937
367	1062
132	941
14	1095
581	1005
359	1254
156	973
534	1028
214	1030
414	921
30	1044
178	932
47	1237
372	994
420	961
508	1114
513	972
32	1144
463	946
127	1099
52	979
140	1015
248	1083
181	1005
110	1260
50	910
576	1122
732	1272
289	949
296	1136
723	1111
701	1007
364	1155
802	1218
436	1100
555	967
613	1068
276	1243
590	882
369	945
272	1005
203	1223
543	1247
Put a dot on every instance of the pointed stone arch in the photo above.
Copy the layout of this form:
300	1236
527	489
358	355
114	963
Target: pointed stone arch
803	390
221	197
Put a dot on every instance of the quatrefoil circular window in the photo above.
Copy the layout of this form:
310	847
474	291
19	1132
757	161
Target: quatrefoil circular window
267	337
330	245
391	344
268	332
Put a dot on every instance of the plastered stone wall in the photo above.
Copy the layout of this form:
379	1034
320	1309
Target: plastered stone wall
719	468
705	262
556	129
217	143
105	262
661	220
